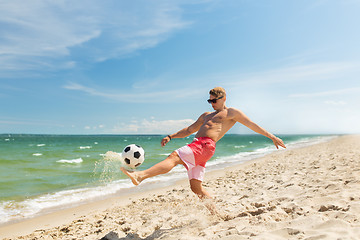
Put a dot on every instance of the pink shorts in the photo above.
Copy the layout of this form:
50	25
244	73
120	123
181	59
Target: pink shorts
195	155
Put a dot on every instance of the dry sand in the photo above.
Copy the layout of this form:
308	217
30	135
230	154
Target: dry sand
308	193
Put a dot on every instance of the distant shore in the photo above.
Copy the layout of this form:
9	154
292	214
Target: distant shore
292	194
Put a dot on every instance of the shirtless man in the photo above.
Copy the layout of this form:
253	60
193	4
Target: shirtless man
210	128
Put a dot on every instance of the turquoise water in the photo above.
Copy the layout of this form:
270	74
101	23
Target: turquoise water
46	171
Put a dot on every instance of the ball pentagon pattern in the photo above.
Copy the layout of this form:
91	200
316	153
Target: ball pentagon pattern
133	155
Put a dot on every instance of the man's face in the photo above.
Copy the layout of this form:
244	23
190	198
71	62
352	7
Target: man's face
216	102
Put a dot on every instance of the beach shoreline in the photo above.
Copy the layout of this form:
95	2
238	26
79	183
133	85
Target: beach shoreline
271	196
52	218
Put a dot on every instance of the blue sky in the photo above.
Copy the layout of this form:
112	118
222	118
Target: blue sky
139	67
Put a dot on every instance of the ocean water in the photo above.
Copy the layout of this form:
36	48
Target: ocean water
40	173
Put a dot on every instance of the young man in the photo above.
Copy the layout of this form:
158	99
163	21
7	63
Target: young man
210	128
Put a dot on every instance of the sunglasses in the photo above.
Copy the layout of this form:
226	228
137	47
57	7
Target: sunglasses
214	100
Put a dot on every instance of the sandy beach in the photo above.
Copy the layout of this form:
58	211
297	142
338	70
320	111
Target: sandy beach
306	193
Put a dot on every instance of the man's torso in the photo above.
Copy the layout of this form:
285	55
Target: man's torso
216	124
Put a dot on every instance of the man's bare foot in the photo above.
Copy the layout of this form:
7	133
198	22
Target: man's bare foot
132	175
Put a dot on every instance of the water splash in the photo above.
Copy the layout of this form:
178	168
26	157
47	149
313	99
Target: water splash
108	167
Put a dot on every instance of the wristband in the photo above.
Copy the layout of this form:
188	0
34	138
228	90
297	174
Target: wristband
169	136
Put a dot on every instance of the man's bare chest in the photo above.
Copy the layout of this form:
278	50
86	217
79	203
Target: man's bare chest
216	118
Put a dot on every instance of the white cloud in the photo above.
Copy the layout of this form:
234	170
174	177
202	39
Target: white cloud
152	126
335	103
42	33
304	72
29	122
309	74
133	95
326	93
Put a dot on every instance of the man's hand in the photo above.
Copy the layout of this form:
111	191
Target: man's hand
278	142
165	140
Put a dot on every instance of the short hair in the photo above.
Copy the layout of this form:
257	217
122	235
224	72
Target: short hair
218	92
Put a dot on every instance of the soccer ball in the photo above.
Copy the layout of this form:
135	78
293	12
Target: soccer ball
133	155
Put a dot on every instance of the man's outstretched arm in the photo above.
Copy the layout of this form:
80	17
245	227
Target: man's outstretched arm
243	119
185	131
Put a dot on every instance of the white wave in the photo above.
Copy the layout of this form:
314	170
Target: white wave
41	145
37	154
164	154
241	146
85	147
78	160
307	141
7	139
12	210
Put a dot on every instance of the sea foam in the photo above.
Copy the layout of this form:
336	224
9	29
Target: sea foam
78	160
85	147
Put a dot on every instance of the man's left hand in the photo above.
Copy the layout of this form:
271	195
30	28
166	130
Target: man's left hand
278	142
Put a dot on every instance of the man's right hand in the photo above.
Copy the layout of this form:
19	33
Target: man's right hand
165	140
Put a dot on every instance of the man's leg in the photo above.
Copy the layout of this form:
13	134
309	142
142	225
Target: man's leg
197	188
160	168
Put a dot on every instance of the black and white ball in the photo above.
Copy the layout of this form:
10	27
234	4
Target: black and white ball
133	156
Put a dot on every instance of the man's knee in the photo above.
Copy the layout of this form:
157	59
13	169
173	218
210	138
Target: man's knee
175	158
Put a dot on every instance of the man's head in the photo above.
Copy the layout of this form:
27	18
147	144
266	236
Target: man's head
218	92
217	98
